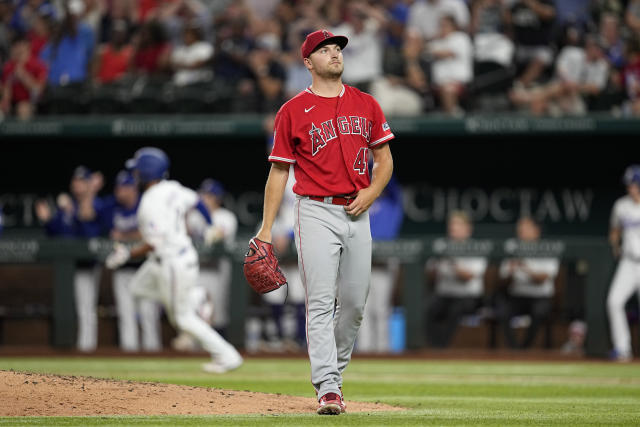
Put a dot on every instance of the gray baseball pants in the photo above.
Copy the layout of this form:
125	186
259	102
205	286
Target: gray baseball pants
334	256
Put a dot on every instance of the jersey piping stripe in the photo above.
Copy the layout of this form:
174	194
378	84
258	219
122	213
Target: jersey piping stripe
282	159
384	138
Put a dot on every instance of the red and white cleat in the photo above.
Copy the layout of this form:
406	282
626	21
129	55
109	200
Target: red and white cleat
330	404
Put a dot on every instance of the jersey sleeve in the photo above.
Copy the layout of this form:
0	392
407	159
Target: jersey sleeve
283	147
380	130
188	198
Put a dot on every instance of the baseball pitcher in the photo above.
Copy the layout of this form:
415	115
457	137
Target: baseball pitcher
326	132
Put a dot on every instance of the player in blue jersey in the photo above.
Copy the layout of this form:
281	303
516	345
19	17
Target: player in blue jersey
80	215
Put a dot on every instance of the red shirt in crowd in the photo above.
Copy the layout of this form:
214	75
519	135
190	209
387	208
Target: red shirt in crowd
632	77
147	59
37	42
113	63
34	66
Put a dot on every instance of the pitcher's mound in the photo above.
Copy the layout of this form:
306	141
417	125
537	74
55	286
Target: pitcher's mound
30	394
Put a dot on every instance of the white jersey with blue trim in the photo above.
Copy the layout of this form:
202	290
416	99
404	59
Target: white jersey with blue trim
161	217
626	216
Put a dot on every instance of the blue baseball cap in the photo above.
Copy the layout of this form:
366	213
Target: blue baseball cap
81	172
213	187
125	178
632	175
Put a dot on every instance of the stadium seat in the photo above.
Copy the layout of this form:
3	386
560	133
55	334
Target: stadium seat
148	97
60	100
109	99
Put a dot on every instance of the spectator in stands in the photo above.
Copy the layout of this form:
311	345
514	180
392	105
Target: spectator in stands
392	89
425	15
601	7
581	75
70	50
92	15
114	58
233	44
573	12
23	79
613	43
459	284
191	60
364	26
268	75
632	78
82	216
5	30
146	9
451	64
177	16
298	77
123	225
488	31
40	30
24	13
531	22
632	17
423	26
530	286
151	52
118	11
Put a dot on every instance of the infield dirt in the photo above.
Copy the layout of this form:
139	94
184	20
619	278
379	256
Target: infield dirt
31	394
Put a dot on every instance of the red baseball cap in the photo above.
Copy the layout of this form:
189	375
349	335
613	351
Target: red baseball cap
316	38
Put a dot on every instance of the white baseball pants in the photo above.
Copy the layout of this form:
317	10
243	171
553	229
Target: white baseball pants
173	282
129	309
334	258
626	282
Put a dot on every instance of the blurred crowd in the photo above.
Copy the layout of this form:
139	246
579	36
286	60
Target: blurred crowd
558	57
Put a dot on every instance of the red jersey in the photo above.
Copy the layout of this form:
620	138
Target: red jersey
327	140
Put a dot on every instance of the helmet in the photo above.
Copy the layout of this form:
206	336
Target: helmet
150	163
632	175
213	187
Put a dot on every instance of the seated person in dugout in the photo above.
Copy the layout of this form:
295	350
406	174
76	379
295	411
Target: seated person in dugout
527	288
458	285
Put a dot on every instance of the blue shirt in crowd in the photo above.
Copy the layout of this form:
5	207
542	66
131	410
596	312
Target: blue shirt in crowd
69	61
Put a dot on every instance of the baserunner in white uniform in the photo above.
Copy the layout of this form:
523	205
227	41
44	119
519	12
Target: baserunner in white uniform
624	236
170	272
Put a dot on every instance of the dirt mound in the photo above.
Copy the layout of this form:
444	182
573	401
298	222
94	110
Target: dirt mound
30	394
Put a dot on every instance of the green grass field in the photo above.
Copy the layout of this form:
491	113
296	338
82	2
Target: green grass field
435	392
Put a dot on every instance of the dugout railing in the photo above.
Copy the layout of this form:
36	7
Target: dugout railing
63	254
